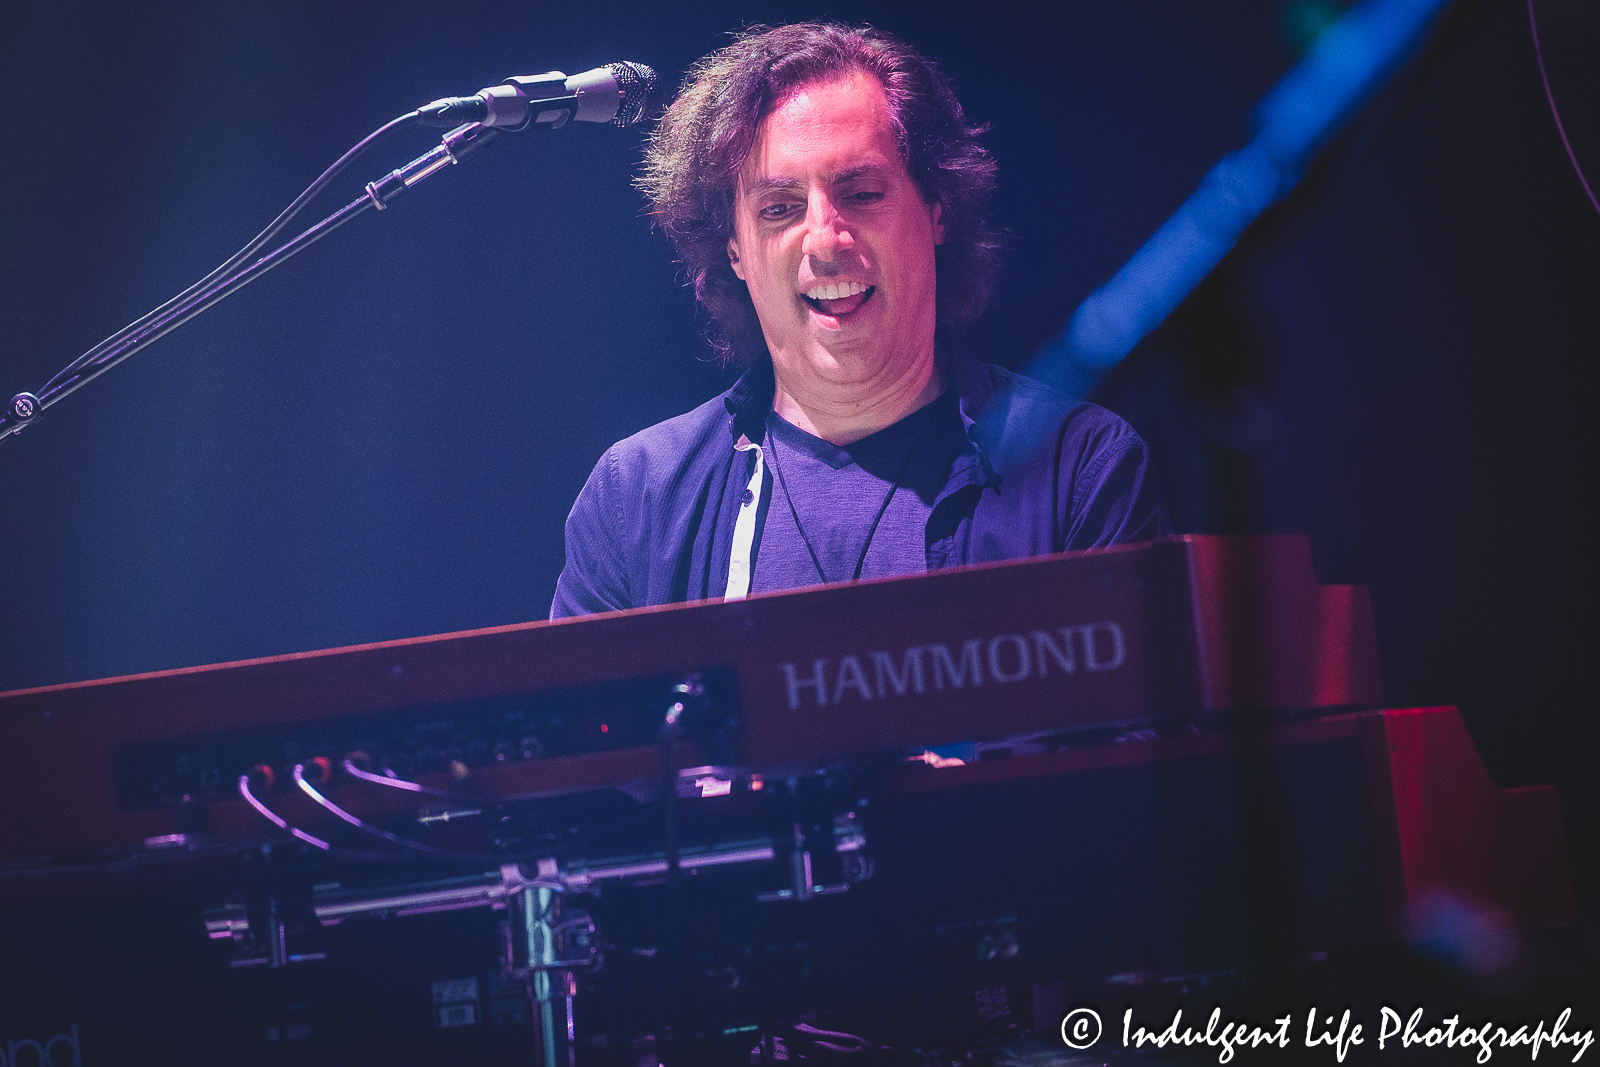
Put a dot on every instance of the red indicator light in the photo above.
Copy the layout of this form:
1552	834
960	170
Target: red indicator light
604	728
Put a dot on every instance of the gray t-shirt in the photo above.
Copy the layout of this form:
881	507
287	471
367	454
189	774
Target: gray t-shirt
874	494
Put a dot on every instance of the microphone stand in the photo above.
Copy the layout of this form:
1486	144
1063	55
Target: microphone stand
454	147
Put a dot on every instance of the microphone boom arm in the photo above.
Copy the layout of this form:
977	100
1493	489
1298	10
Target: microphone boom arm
455	146
617	93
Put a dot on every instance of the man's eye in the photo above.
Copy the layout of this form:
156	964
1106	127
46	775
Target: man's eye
776	212
866	197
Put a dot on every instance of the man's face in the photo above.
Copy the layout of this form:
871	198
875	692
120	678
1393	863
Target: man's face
835	242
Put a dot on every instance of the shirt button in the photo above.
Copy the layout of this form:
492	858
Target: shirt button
745	500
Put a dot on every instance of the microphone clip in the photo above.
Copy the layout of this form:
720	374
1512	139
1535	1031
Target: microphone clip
541	100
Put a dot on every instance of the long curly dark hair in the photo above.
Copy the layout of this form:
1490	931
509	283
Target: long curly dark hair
693	159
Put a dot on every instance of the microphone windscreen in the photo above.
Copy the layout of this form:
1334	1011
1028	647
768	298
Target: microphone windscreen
637	82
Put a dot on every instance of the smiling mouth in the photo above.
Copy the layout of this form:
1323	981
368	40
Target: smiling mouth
838	301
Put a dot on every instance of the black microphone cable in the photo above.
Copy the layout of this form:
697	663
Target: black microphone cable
62	382
617	94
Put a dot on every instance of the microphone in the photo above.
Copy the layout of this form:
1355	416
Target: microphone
616	93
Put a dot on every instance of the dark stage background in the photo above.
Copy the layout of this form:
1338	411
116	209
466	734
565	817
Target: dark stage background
382	438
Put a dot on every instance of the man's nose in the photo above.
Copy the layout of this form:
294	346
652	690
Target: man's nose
826	233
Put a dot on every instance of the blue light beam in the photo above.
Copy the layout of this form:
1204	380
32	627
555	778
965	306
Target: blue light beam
1345	66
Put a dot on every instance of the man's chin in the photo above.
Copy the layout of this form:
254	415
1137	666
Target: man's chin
843	362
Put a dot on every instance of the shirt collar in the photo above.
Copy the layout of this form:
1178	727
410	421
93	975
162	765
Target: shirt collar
975	391
751	397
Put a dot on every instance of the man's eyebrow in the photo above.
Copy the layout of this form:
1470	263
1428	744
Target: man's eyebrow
857	171
770	185
779	183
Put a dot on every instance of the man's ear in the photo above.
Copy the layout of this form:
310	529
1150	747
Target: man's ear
938	223
733	257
